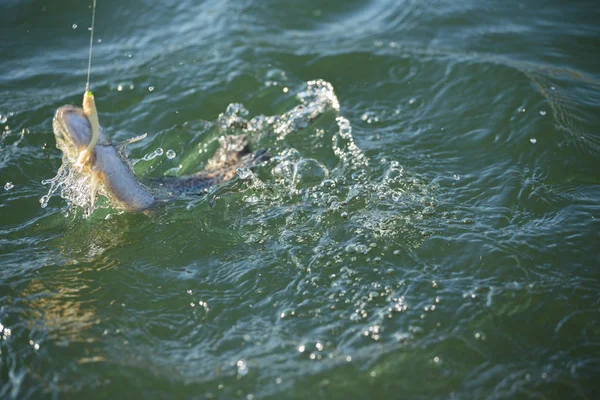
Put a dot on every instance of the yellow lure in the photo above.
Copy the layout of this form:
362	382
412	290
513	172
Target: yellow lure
89	109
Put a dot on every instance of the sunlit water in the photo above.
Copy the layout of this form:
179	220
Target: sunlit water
426	226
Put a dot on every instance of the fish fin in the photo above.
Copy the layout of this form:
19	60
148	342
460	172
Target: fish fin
122	147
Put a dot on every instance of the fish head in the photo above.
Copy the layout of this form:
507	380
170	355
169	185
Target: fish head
73	132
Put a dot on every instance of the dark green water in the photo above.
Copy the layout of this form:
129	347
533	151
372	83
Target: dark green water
426	229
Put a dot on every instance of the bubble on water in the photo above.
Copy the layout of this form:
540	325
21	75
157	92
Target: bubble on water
412	101
3	118
369	117
456	177
171	154
120	88
242	368
151	156
542	112
533	140
74	26
150	88
44	201
8	186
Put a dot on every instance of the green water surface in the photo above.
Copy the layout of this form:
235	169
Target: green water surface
426	228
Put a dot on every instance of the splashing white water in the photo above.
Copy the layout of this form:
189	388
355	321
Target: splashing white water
74	187
317	98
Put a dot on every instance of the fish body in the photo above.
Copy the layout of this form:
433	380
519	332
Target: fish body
112	175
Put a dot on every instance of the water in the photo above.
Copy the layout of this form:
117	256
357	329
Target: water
428	228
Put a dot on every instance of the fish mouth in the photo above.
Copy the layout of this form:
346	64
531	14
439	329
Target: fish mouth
72	130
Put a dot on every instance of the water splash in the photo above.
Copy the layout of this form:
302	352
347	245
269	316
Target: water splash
74	187
332	180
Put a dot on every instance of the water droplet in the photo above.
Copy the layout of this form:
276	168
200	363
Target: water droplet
120	88
242	367
159	151
8	186
411	101
44	201
171	154
533	140
542	112
456	177
150	88
244	173
3	118
301	348
74	26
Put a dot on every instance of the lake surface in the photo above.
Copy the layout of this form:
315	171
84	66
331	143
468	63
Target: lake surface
427	226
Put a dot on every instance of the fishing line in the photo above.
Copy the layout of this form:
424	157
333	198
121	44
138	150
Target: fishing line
89	109
87	85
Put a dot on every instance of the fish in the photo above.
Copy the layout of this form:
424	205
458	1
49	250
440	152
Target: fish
111	172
